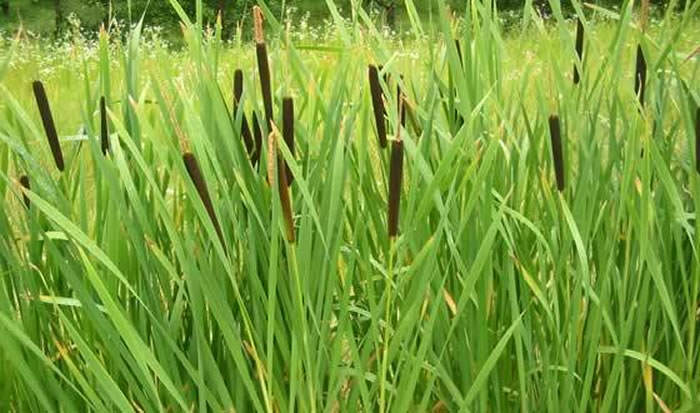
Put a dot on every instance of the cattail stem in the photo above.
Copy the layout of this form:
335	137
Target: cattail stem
395	178
579	50
697	139
288	132
640	76
198	180
24	181
555	133
49	126
378	104
104	126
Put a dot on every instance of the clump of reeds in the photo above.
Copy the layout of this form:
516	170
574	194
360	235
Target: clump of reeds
49	127
579	50
288	132
557	156
245	129
395	179
377	104
24	181
640	75
697	139
198	180
104	126
263	64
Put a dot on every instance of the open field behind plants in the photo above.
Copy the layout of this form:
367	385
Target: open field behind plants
179	233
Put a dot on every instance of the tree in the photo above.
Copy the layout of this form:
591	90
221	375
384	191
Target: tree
5	6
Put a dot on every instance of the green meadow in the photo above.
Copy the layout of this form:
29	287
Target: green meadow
220	224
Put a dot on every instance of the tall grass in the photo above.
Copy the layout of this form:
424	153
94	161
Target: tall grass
446	273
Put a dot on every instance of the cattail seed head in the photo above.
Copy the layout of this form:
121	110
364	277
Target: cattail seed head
288	132
640	76
258	25
395	179
24	181
377	104
49	126
104	126
237	88
557	154
198	180
265	83
579	49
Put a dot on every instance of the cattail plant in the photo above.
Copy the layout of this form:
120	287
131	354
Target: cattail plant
245	129
579	50
24	181
104	126
697	139
395	178
288	132
377	104
49	127
198	180
282	186
263	64
640	75
257	134
555	133
459	52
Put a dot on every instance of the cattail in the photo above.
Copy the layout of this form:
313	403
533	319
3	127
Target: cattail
378	104
257	134
245	129
697	139
263	64
395	178
555	133
288	132
640	77
45	111
24	181
104	127
579	50
198	180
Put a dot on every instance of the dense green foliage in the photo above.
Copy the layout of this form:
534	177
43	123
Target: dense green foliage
126	286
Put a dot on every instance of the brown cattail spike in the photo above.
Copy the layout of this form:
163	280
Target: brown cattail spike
237	88
258	25
24	181
288	132
378	104
198	180
265	82
50	128
395	178
555	133
640	76
579	50
697	139
104	126
257	134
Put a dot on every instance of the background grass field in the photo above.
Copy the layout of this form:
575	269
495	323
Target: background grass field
500	293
